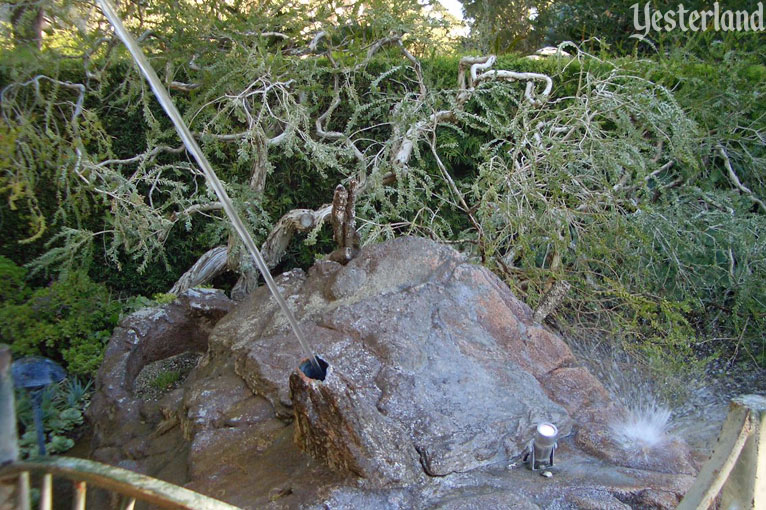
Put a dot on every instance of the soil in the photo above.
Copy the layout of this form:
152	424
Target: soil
183	363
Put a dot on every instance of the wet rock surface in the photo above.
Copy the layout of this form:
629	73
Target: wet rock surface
120	418
437	378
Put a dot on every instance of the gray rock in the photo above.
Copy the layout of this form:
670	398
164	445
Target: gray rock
437	378
498	500
423	376
141	338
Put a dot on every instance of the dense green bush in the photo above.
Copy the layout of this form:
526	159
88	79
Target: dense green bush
13	288
69	321
608	24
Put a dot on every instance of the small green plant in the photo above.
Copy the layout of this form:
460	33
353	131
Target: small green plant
165	380
63	406
163	298
135	303
69	321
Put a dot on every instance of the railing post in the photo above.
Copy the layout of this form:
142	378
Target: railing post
746	486
9	447
9	444
737	469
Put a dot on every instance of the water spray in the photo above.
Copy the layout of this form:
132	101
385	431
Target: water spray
191	145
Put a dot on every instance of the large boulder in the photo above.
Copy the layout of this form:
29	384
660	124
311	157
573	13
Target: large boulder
148	335
436	376
432	363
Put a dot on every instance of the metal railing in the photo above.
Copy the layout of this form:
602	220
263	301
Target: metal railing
736	472
130	486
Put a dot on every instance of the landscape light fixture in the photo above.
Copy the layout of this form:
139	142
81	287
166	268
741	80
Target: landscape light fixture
542	447
34	374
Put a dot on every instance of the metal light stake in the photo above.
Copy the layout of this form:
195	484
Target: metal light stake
543	446
34	374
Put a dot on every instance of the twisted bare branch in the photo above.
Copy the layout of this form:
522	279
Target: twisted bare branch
208	266
297	220
735	179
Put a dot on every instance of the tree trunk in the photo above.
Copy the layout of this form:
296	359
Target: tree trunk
27	23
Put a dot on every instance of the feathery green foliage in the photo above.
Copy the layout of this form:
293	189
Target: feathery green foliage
70	321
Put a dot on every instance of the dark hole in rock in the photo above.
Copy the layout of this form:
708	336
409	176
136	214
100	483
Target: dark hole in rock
311	371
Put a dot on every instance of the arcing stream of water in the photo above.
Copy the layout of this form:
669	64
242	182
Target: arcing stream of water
191	145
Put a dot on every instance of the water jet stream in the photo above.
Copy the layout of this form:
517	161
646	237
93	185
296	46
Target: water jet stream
191	145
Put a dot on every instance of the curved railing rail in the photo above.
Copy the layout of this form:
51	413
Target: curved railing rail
128	484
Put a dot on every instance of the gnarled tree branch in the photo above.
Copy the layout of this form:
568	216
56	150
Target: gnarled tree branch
735	179
301	220
212	263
